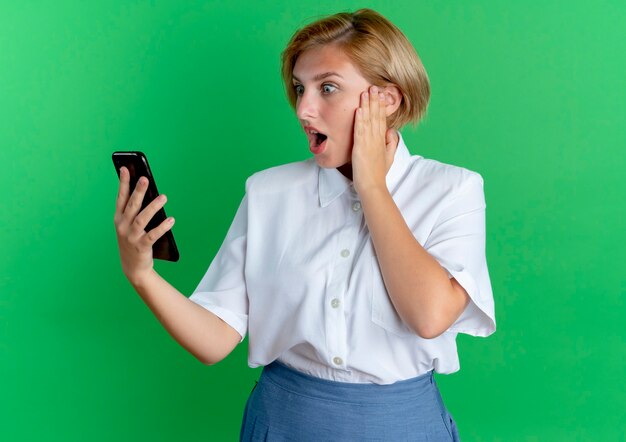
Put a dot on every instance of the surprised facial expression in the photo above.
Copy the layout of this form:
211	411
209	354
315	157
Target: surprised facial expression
328	88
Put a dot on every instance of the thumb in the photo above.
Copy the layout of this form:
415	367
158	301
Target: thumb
391	144
391	141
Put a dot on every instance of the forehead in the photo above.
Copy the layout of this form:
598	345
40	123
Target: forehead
323	59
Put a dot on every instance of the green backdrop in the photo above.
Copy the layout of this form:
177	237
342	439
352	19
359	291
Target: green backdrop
529	94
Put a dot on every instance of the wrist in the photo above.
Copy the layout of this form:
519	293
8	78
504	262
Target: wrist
140	280
374	191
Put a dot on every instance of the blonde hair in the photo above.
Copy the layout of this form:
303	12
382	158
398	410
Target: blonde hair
378	49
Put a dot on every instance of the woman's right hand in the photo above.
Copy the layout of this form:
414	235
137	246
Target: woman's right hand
134	242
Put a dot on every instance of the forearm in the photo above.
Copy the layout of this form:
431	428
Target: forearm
418	286
198	330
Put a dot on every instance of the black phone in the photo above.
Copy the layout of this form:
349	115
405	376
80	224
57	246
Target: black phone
137	164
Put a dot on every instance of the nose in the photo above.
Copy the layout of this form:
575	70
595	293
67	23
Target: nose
307	106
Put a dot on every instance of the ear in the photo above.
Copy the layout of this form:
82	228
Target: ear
393	98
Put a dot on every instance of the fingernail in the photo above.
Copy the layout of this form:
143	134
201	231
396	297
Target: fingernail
374	89
381	96
365	95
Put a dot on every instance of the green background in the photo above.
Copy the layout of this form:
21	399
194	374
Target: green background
529	94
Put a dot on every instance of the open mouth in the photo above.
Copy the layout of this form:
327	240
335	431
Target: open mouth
319	139
316	141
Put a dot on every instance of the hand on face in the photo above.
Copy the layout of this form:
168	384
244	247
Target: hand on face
374	147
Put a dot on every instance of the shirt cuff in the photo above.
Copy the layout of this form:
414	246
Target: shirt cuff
478	318
233	319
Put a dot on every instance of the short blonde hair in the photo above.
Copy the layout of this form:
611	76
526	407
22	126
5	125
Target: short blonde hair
378	49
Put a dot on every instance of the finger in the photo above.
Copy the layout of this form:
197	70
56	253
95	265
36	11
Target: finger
365	106
389	145
134	202
357	128
383	114
389	136
144	217
358	125
153	235
375	110
122	192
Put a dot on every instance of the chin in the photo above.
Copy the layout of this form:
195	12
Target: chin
333	157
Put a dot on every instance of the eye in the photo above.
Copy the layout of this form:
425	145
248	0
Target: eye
327	89
327	86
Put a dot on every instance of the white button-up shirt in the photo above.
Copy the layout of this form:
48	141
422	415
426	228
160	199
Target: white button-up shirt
298	272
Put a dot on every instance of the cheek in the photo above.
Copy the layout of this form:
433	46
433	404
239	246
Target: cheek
341	118
346	117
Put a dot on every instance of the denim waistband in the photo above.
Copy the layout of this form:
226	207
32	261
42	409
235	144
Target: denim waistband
307	385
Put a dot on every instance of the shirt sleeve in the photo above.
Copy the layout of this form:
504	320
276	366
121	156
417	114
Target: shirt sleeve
222	290
457	242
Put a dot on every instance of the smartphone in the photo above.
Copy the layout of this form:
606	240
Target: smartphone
137	164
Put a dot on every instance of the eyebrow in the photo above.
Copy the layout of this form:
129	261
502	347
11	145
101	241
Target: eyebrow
319	77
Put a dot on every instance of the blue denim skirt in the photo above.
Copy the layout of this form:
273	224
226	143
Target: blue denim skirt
287	405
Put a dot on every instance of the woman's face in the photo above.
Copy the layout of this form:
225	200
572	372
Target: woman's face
328	88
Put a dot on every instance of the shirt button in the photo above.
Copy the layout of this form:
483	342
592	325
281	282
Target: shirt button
356	206
337	360
345	253
334	303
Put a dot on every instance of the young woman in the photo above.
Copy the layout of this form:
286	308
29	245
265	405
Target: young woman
352	272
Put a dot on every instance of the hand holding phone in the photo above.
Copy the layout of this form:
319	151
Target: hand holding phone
143	230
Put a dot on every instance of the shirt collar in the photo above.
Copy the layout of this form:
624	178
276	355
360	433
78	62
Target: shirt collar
333	183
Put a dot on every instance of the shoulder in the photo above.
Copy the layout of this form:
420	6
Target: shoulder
282	177
448	179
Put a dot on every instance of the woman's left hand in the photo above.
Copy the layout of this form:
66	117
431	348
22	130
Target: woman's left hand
374	149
